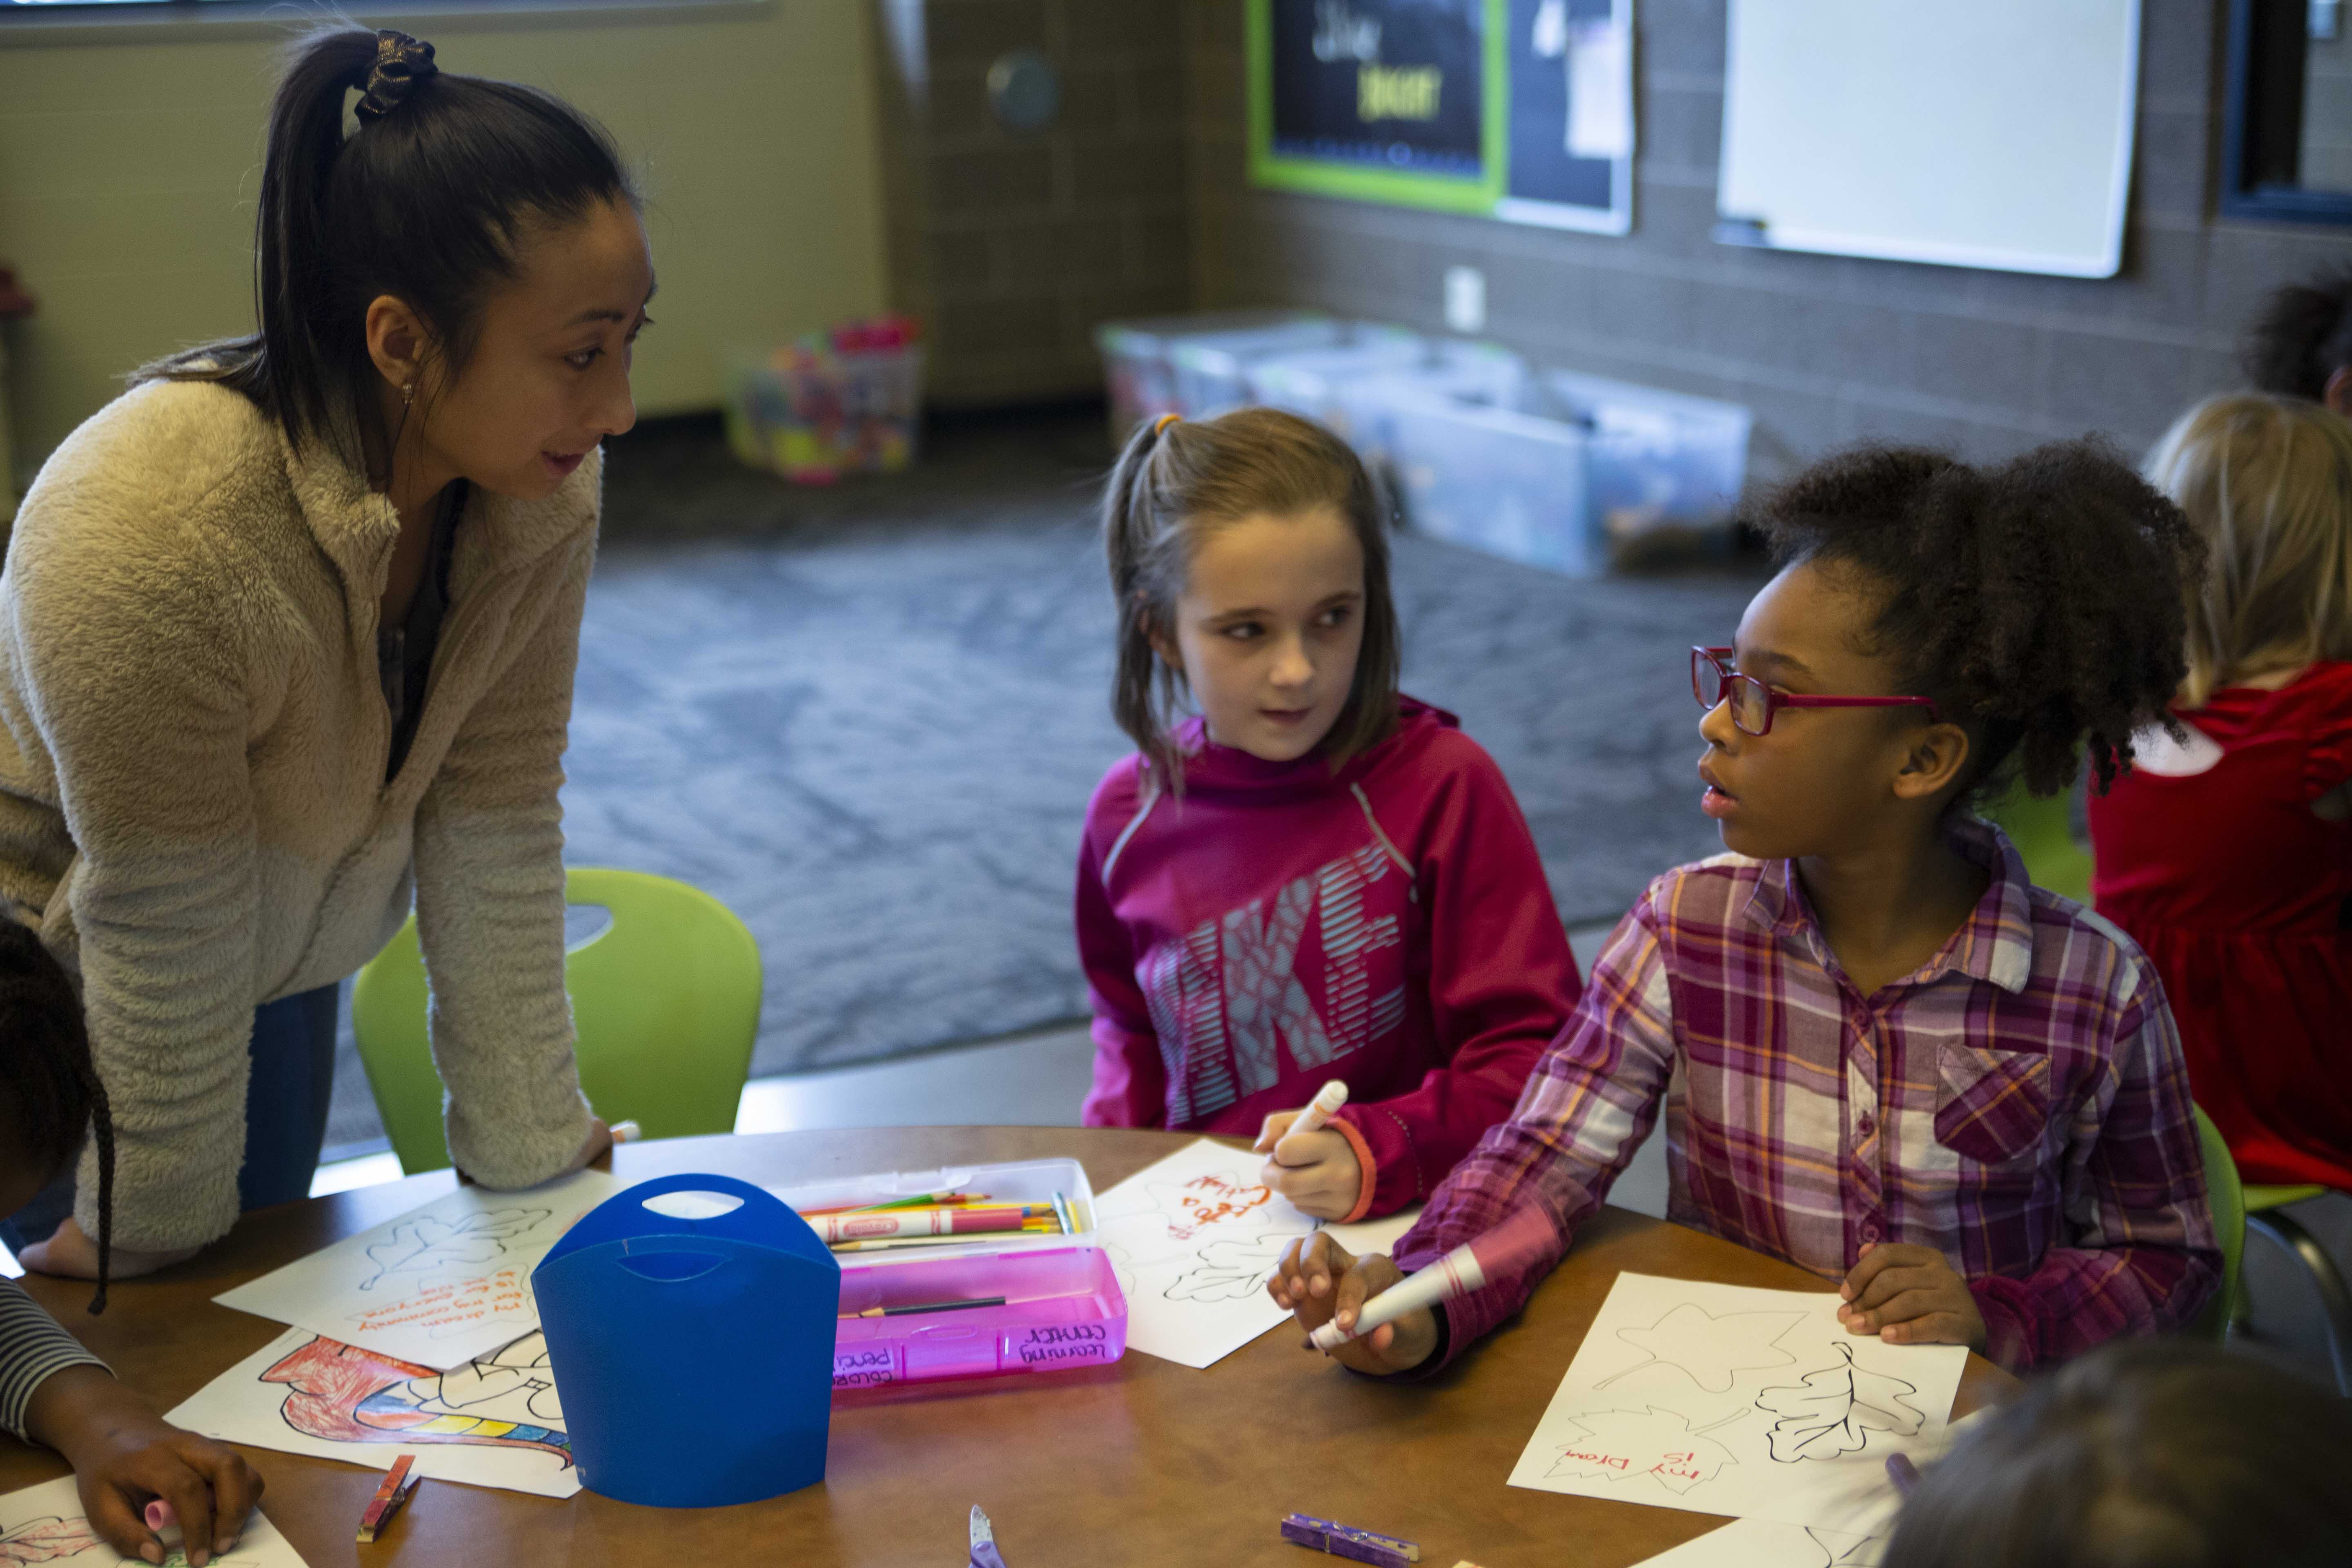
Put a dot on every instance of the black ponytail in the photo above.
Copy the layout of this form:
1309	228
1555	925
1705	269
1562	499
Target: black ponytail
50	1096
427	201
2301	335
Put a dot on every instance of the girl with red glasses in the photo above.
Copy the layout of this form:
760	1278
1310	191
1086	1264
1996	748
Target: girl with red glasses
1881	1052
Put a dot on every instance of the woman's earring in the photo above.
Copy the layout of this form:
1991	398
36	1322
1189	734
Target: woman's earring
407	393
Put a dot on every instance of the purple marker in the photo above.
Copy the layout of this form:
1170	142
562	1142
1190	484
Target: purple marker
983	1543
1902	1472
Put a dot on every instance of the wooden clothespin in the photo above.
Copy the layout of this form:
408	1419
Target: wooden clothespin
398	1487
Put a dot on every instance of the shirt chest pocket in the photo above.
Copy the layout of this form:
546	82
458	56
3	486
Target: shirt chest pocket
1992	1107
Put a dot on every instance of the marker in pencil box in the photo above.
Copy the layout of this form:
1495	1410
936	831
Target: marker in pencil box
856	1206
891	1244
1465	1269
1346	1540
839	1227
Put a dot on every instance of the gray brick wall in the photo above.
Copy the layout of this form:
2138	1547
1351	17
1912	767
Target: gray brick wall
1011	246
1825	349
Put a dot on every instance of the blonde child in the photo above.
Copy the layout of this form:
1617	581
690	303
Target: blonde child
2226	851
1315	878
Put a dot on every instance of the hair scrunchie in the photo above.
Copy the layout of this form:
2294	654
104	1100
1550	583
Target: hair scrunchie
401	62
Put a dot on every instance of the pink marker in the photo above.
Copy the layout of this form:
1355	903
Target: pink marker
160	1516
1465	1269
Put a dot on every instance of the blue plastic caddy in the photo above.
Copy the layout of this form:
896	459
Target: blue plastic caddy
694	1355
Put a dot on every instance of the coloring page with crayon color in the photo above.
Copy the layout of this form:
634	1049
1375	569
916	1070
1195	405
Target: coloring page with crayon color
45	1524
1195	1238
491	1422
1730	1400
438	1286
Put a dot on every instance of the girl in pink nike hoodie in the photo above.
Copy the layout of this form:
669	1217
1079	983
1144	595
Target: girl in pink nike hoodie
1313	877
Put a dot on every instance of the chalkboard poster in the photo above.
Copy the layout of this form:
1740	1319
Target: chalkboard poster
1514	108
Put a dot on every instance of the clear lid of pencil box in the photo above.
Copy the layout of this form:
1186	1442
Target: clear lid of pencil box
1062	1307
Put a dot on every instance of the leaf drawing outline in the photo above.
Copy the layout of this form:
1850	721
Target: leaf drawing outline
1836	1408
1674	1342
1229	1270
429	1242
1840	1549
1620	1445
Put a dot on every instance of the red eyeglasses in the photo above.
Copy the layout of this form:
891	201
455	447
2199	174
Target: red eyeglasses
1753	703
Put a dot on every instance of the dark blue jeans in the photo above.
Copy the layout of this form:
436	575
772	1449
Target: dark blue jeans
285	1101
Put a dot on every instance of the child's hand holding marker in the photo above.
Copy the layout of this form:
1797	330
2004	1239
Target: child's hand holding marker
1316	1169
1320	1282
1909	1295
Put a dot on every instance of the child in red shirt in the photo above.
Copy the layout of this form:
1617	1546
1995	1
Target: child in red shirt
2226	852
1316	877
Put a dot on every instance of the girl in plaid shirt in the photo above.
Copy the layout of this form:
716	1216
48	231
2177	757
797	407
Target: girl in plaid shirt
1882	1053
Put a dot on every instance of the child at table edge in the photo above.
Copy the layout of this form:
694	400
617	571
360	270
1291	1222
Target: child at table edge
1883	1054
52	1391
1347	891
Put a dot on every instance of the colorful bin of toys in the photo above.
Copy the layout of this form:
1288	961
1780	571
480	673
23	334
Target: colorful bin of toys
829	405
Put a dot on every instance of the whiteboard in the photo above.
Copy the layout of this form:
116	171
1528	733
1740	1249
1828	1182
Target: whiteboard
1992	134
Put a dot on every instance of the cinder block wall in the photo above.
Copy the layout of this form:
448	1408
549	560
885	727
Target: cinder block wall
1011	246
1826	349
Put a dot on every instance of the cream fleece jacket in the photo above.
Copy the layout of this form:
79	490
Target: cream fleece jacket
193	807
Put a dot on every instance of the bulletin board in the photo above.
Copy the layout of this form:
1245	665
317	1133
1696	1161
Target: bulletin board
1519	109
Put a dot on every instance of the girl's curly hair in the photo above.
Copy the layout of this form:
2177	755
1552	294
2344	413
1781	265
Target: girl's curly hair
2301	335
2038	603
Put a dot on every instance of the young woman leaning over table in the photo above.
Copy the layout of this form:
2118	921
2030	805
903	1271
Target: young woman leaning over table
288	632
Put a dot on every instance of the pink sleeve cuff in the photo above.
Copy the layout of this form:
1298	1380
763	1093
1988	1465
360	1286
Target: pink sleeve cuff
1367	1168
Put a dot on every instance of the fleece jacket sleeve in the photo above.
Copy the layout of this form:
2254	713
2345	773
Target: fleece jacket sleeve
489	911
1130	1083
1500	982
136	663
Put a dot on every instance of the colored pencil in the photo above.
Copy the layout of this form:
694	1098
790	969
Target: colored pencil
927	1307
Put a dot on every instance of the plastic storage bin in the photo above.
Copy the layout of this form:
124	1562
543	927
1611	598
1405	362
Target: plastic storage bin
1064	1305
1340	386
692	1343
1573	473
1139	356
844	403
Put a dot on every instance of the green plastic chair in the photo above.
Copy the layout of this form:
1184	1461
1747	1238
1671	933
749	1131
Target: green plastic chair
2229	1204
664	1004
2043	828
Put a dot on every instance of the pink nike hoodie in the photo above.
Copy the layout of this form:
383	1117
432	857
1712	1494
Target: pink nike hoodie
1280	924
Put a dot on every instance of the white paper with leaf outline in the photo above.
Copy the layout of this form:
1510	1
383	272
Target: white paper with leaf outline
47	1524
1193	1239
1726	1399
439	1285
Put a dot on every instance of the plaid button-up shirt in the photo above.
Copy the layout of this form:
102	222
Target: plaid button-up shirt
2019	1103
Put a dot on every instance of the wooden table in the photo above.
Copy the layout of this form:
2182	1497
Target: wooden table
1143	1462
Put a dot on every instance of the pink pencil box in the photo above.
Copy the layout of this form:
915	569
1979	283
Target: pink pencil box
1062	1308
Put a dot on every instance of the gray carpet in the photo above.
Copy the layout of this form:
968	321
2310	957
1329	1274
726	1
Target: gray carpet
869	719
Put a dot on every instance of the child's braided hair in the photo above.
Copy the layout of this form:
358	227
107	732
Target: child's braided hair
2038	603
50	1097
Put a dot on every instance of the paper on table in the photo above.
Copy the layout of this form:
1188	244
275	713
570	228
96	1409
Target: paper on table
1194	1239
438	1286
1768	1543
45	1524
492	1422
1726	1399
